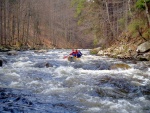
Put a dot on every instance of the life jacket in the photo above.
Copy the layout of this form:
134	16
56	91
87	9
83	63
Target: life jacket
79	54
73	54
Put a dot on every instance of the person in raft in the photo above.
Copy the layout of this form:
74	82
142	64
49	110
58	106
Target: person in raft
76	53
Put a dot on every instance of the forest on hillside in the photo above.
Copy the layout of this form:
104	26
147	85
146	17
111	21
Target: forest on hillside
38	24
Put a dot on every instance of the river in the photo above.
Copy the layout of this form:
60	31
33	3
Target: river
86	86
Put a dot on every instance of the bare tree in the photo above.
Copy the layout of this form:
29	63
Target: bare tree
147	13
1	22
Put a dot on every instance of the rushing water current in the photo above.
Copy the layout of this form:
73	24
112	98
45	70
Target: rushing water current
46	83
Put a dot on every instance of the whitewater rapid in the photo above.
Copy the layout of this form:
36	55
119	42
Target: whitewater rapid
87	86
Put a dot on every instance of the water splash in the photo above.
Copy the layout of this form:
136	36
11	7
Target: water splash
27	85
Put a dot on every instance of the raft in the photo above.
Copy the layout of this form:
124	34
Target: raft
73	59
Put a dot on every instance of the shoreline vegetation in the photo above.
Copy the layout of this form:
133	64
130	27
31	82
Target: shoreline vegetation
133	49
138	50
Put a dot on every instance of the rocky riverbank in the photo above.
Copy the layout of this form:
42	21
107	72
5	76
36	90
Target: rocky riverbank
138	51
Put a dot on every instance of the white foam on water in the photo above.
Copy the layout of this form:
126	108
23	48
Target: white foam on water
93	110
64	81
21	64
15	84
63	71
23	58
11	77
98	72
13	74
108	106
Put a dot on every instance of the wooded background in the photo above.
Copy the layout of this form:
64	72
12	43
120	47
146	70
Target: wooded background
66	23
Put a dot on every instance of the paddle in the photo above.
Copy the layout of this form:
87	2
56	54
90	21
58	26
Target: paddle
65	57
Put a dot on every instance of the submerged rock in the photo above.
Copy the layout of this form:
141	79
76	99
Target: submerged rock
40	51
43	64
121	88
48	65
120	66
12	53
142	65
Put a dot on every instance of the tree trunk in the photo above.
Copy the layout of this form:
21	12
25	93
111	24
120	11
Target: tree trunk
18	21
129	1
8	23
28	24
5	21
1	22
109	21
13	29
147	13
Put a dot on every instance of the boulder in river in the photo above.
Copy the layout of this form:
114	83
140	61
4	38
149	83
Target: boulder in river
101	53
143	47
120	66
43	64
147	55
1	63
95	50
143	56
40	51
48	65
13	52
